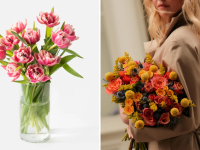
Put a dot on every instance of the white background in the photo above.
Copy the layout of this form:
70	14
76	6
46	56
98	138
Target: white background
75	106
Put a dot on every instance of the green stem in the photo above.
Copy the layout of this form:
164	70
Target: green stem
53	46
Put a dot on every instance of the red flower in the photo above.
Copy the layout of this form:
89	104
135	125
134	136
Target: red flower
159	99
134	79
126	79
167	75
167	108
146	66
177	87
147	115
122	73
179	107
151	96
164	119
148	87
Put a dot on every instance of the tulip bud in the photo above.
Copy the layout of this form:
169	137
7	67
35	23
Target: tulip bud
2	52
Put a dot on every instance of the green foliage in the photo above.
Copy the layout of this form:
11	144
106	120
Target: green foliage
72	52
62	25
48	32
4	63
19	37
71	71
64	60
22	81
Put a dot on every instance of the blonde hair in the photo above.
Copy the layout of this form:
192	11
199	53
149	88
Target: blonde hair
156	28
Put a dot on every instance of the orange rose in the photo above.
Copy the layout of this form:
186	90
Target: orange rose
137	97
141	72
170	93
160	92
128	102
158	82
128	110
113	86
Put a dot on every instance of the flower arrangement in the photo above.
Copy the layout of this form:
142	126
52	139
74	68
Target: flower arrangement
36	65
149	96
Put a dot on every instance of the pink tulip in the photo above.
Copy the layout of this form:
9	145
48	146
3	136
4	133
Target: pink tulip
70	31
36	74
2	52
61	39
23	55
50	19
46	58
10	40
10	68
19	26
31	36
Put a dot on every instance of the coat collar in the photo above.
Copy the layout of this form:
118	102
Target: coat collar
175	22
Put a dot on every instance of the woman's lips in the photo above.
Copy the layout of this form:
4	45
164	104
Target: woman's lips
163	6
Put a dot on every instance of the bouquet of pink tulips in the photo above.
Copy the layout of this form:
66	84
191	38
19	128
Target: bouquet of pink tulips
20	55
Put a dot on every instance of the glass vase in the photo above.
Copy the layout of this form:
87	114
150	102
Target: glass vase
34	112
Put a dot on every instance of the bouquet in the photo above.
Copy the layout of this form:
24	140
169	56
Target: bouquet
150	96
37	64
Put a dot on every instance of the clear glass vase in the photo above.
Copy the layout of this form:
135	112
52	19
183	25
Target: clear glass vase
34	112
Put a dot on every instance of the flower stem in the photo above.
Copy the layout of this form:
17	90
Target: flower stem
53	46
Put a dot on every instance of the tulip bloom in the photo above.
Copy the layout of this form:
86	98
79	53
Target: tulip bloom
70	32
19	26
50	19
36	74
23	55
10	40
61	39
46	58
31	36
2	52
10	68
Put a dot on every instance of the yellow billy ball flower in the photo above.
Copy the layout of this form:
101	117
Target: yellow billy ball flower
185	102
153	68
122	59
139	124
109	76
129	94
154	107
144	76
132	63
174	111
173	75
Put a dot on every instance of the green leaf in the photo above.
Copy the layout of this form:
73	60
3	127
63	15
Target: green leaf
64	60
62	25
48	32
4	63
71	71
19	37
1	36
52	9
9	53
18	68
72	52
16	47
22	81
53	51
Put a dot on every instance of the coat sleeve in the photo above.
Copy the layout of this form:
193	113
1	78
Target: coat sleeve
184	60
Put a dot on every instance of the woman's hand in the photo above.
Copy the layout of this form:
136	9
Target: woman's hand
123	116
129	132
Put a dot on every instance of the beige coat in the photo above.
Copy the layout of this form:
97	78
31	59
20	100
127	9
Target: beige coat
179	52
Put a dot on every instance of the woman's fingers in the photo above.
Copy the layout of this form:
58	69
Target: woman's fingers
129	132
